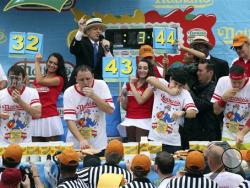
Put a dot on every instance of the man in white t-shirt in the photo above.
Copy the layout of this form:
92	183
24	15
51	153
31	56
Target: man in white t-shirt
231	96
169	111
3	78
18	105
223	178
85	105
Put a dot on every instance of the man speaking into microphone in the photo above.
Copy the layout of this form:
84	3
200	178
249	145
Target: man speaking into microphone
89	46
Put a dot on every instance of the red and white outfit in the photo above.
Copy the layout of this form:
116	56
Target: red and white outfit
246	64
17	128
164	128
236	112
49	124
138	115
90	120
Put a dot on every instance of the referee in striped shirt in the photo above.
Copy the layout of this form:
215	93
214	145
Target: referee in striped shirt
113	155
140	167
68	161
195	165
244	184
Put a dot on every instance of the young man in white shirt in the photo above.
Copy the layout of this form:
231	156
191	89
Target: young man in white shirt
169	111
19	104
231	96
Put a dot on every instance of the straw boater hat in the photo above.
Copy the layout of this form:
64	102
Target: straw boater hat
94	22
201	40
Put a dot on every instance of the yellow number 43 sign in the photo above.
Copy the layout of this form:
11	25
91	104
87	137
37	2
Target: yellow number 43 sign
118	68
25	43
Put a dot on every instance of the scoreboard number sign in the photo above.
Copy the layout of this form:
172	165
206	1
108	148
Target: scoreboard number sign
21	43
117	69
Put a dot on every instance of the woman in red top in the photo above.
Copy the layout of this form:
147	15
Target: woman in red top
137	100
49	86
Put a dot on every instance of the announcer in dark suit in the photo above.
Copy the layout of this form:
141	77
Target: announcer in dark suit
88	47
221	67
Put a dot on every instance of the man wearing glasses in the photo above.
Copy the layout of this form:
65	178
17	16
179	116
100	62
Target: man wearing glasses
241	46
18	105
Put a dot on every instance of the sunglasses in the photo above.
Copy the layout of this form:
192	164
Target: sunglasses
237	48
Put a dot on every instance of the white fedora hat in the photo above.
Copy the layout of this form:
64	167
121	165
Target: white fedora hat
201	40
94	22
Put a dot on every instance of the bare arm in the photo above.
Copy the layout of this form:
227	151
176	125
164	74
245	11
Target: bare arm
191	113
34	111
217	108
73	129
193	51
141	99
157	84
55	81
3	84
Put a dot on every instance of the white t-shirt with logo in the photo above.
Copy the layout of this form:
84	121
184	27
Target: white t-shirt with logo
236	111
226	179
16	129
90	120
164	128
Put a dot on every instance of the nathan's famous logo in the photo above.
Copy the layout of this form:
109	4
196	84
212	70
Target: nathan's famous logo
30	68
227	33
186	21
195	32
182	3
3	37
57	5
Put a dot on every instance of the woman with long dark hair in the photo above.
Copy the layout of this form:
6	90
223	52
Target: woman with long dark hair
49	86
137	100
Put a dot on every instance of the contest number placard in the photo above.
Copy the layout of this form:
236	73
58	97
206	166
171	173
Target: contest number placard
118	68
22	43
165	38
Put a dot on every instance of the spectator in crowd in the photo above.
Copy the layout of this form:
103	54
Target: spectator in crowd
88	48
85	105
202	44
193	178
206	125
91	160
3	78
68	163
137	99
164	166
230	96
169	111
140	166
113	155
49	86
10	178
159	69
244	184
241	46
218	174
18	105
12	156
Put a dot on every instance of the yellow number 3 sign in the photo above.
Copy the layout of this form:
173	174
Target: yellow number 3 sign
25	43
118	67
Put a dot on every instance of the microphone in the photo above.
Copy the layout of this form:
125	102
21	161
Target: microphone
106	47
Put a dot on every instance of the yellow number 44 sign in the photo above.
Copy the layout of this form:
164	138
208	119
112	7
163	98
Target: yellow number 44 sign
165	38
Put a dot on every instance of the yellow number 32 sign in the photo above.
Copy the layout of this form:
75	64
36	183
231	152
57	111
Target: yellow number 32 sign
25	43
118	68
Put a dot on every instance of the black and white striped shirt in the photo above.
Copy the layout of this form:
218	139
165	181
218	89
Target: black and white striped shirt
139	183
245	184
91	175
72	183
192	182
